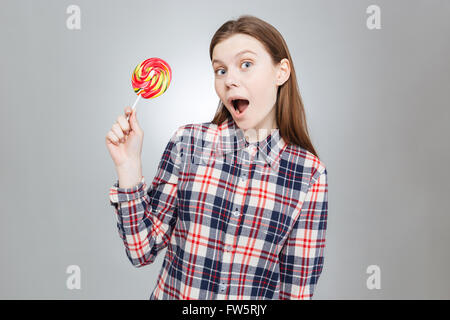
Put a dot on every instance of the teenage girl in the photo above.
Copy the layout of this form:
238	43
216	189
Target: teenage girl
249	221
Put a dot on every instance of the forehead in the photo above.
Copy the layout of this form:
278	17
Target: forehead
228	48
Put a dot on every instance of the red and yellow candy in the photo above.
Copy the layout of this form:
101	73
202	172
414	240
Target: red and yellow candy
151	78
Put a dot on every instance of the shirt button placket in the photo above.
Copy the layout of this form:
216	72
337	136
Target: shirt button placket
230	235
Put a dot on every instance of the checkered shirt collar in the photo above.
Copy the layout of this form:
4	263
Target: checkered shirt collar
232	138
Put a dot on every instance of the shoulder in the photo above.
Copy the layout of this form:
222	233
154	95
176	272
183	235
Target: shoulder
191	130
306	161
193	135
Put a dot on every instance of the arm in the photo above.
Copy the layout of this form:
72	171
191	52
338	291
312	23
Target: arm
301	258
146	218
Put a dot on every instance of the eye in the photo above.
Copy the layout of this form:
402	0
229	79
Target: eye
218	70
246	62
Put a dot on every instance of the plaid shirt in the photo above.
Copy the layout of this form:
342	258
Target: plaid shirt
240	220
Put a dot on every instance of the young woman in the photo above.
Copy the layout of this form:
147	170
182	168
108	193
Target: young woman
240	202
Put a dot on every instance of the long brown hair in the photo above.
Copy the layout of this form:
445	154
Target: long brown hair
290	113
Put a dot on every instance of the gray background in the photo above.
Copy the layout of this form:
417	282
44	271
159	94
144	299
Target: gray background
377	103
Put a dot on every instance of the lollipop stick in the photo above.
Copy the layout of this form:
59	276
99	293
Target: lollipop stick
134	105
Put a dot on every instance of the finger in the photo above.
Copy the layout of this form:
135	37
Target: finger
124	124
112	138
133	121
128	110
118	131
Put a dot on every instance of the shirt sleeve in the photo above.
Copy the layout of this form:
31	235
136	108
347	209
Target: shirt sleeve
146	217
301	258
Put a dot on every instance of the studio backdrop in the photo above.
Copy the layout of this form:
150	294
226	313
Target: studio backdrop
374	77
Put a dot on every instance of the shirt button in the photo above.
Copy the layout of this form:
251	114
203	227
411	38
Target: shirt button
222	287
228	247
244	176
236	212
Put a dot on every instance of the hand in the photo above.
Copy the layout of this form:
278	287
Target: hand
124	140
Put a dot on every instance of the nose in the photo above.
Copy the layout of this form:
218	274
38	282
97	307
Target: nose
231	79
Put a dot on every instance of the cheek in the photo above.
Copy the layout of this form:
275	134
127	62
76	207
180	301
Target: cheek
218	86
263	92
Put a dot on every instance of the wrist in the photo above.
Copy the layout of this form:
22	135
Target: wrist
131	165
129	174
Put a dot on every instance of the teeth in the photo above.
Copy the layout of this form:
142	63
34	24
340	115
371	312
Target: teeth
237	111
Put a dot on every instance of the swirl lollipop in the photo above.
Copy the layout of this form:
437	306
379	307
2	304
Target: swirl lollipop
150	79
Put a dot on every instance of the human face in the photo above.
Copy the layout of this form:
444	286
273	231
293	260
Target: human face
244	69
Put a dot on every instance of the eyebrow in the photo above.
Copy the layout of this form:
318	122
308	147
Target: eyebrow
237	54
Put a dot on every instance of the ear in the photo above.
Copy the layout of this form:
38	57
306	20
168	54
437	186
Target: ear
283	71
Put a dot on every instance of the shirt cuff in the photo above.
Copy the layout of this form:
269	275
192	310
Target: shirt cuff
117	194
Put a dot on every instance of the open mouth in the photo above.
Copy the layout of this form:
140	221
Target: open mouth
240	105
